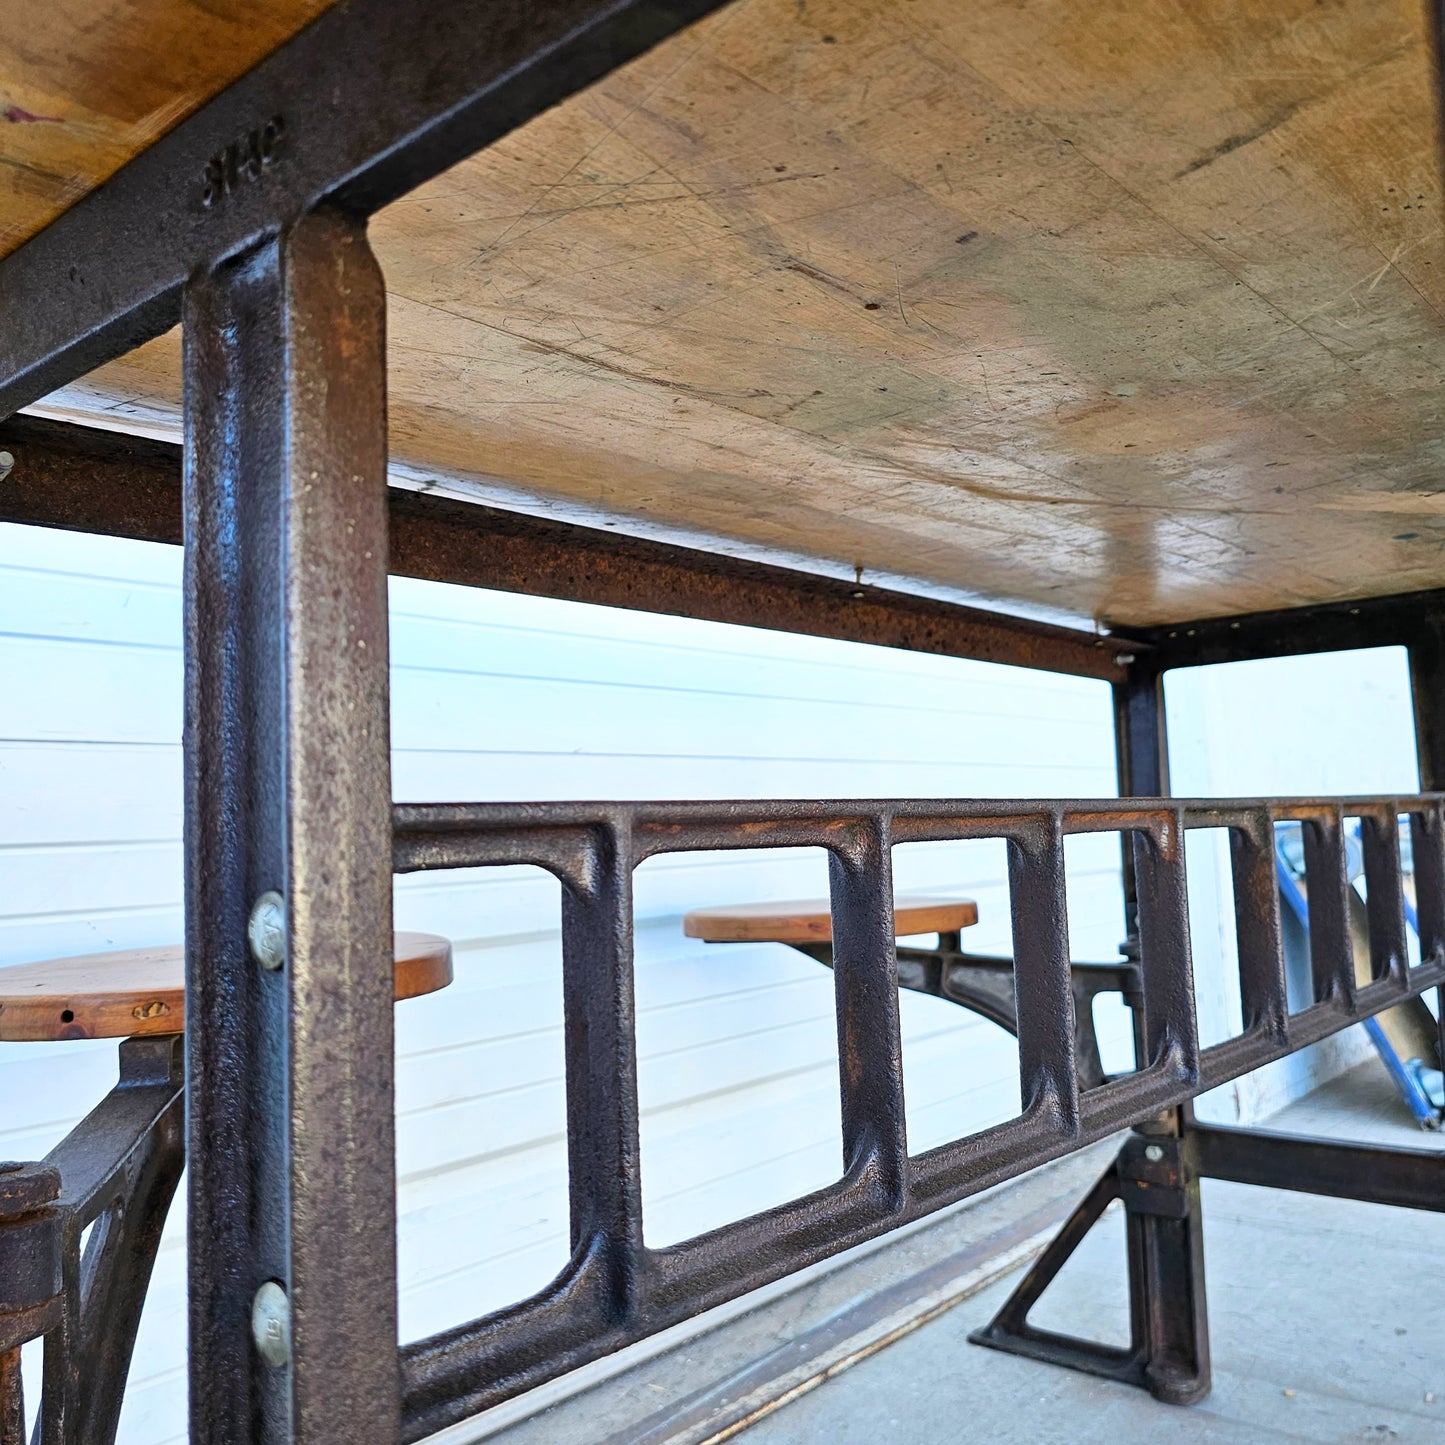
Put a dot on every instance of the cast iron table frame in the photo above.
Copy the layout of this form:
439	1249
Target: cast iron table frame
247	222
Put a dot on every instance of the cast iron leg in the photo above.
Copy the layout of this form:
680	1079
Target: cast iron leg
122	1191
115	1173
1168	1353
288	789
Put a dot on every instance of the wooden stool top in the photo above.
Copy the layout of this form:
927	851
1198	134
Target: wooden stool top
142	990
811	922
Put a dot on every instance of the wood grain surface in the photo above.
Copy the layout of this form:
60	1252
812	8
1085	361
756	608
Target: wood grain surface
141	990
1128	311
812	922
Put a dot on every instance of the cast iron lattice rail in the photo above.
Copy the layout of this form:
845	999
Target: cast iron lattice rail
616	1289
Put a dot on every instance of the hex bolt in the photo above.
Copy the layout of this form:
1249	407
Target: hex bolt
1153	1153
7	464
271	1325
266	931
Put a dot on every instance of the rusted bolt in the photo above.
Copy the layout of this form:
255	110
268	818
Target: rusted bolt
266	931
7	465
1153	1153
271	1325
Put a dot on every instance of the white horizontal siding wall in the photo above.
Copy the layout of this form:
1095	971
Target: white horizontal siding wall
498	697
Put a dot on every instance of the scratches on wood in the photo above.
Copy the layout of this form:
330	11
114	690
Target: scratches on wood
1130	310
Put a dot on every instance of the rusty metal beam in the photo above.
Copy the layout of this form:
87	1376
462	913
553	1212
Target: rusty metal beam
365	103
617	1289
1389	621
88	480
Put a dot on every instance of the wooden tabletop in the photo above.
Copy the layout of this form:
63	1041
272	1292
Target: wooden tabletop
142	991
811	921
1132	313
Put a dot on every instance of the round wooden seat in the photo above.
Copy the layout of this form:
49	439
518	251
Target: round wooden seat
811	922
142	990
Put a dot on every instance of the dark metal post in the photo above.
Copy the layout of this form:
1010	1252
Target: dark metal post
603	1140
1141	761
1166	1249
865	981
1426	651
1153	1175
12	1397
1045	1001
1141	739
292	1169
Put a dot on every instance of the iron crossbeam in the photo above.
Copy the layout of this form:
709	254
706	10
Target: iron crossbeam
1387	621
617	1290
1374	1174
84	479
367	102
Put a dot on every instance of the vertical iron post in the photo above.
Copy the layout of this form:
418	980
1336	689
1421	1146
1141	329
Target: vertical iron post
1045	1003
865	984
1166	1252
604	1147
1141	738
1141	760
1426	651
290	1122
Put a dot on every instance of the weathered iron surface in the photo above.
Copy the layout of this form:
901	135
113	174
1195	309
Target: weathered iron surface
1155	1178
288	784
96	481
1388	621
360	107
989	987
616	1289
114	1174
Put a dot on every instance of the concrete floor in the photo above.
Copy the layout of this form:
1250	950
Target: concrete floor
1326	1318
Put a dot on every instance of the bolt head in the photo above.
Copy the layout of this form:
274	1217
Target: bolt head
1153	1153
266	931
271	1325
25	1188
7	462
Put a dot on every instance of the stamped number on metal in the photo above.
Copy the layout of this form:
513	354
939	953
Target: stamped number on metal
243	161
